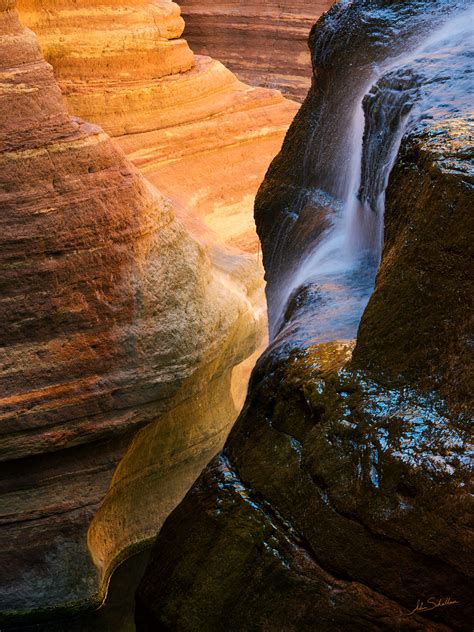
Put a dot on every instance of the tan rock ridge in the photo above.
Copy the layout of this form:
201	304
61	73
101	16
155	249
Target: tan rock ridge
198	133
264	42
112	318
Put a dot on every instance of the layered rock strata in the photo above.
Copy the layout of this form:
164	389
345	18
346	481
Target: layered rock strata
341	499
264	43
113	321
203	137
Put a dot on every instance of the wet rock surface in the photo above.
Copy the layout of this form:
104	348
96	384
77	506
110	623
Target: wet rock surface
418	325
352	45
341	500
336	504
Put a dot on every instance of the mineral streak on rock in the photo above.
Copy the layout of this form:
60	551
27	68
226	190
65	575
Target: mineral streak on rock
263	42
198	133
112	317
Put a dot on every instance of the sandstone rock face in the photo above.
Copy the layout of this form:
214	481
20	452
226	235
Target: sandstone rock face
119	327
203	137
341	498
264	43
112	318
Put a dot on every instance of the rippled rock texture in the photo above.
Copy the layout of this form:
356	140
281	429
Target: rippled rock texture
112	318
264	43
201	136
341	499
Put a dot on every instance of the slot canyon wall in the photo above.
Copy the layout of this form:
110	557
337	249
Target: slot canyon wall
341	498
201	136
264	42
123	330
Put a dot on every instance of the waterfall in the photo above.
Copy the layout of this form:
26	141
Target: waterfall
339	271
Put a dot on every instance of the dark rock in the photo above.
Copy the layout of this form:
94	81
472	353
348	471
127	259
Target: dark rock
337	504
341	499
418	325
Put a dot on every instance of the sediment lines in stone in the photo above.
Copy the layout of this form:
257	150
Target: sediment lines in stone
203	137
111	317
264	43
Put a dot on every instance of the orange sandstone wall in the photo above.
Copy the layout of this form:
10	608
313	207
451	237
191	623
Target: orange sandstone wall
127	320
198	133
118	335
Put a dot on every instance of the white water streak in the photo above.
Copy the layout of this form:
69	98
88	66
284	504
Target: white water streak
357	230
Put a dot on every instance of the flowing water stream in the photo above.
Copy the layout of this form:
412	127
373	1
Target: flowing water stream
432	78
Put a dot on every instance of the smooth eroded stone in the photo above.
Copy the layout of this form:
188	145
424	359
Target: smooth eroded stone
113	320
203	137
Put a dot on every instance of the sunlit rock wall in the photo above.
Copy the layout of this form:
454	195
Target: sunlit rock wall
203	137
112	318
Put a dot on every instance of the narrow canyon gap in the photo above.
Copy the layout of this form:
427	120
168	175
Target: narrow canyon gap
133	311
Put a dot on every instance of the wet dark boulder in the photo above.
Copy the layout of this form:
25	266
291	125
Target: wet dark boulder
418	327
341	499
337	504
